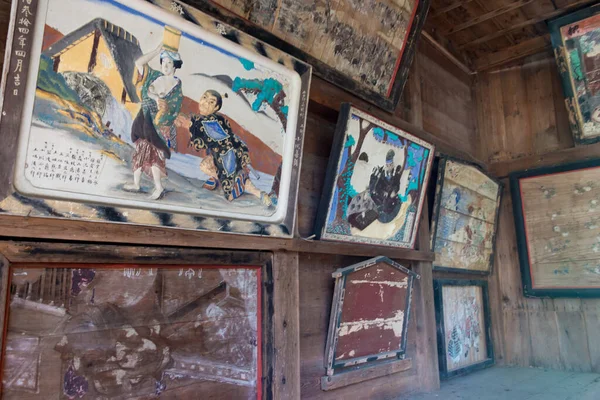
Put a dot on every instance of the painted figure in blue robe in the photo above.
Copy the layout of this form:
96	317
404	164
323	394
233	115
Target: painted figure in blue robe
227	162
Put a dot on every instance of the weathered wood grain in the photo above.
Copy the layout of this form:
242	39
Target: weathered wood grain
361	375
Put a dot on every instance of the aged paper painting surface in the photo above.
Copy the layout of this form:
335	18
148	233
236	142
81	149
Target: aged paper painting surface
561	220
136	107
363	40
139	332
464	326
377	186
465	213
576	39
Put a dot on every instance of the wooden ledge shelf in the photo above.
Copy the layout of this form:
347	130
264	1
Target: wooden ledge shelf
365	373
12	227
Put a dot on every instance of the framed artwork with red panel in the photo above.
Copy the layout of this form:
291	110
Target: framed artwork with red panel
369	314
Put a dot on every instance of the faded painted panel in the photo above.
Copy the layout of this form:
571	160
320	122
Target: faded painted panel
372	313
464	326
561	214
109	332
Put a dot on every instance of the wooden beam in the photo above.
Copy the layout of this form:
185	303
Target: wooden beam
523	49
365	373
448	53
579	153
523	24
487	16
77	230
448	8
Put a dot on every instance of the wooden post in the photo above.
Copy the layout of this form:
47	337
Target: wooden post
426	359
286	326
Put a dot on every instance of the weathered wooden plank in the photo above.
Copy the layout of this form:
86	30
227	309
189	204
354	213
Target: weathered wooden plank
517	338
487	16
286	323
364	374
518	51
131	234
572	334
545	351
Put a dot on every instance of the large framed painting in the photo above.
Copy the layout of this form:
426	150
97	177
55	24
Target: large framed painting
465	216
369	316
462	313
575	38
77	331
376	182
333	36
557	219
124	111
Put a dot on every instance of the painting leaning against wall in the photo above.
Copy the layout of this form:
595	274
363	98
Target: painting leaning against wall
376	182
465	215
576	42
134	331
462	313
135	107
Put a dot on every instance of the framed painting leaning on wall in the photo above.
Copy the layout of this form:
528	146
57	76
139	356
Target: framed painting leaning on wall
465	216
462	313
575	38
125	107
557	218
376	182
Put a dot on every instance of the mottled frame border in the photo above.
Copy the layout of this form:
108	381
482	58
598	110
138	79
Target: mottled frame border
554	27
14	203
519	215
340	276
325	71
441	337
441	172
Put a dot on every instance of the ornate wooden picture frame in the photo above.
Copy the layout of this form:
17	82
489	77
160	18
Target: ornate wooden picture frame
463	319
556	219
573	37
67	285
376	183
369	316
79	140
465	218
377	76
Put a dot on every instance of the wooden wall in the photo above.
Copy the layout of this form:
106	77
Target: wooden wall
522	123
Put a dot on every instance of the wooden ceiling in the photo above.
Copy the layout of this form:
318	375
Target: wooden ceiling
485	34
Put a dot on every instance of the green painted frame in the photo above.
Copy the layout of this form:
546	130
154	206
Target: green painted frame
560	56
515	189
439	320
441	172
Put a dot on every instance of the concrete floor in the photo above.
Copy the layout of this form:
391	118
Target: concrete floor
517	384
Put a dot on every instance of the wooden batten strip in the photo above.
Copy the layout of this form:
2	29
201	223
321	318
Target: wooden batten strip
487	16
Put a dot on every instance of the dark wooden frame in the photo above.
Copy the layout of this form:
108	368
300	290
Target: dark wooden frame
326	72
554	26
332	174
515	189
441	172
439	319
340	276
10	125
273	307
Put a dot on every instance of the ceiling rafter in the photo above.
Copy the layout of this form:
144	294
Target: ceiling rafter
518	51
523	24
487	16
448	8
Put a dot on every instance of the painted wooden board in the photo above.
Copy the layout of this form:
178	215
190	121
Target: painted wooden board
78	331
464	332
376	181
369	315
112	111
557	215
465	217
575	38
365	47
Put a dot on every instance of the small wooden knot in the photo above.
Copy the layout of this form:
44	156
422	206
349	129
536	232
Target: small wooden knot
285	324
283	380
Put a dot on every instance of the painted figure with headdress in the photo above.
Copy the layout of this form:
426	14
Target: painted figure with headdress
153	131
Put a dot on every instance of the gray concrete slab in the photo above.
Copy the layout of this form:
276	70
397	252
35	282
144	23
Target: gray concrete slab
500	383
